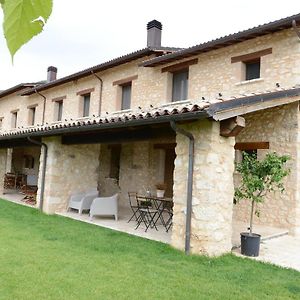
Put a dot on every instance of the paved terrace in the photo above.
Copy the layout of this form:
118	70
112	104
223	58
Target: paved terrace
277	246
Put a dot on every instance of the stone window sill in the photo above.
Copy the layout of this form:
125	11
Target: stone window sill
245	82
176	103
122	111
84	118
56	122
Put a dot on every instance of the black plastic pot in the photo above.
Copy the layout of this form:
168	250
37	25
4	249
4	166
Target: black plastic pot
250	244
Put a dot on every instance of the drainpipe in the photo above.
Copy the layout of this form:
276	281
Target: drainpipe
100	92
45	154
44	105
294	25
189	185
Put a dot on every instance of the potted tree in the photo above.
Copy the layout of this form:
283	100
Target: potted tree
258	177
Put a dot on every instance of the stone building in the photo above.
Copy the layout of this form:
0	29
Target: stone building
129	123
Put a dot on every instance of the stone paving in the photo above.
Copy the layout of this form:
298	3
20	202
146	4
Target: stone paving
122	225
283	251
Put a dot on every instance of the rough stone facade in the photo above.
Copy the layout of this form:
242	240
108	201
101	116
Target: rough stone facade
79	167
17	158
212	190
140	170
213	74
3	158
70	169
280	127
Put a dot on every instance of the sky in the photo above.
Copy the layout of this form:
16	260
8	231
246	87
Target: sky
81	34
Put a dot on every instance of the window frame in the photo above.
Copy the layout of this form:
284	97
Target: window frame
123	87
183	93
29	162
59	110
250	63
32	115
84	100
14	119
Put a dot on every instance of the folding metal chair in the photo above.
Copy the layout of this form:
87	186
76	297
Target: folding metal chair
168	209
132	197
169	221
147	214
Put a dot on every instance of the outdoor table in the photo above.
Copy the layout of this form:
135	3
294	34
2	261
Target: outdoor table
158	204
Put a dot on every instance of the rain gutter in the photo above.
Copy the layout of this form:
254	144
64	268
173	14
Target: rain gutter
42	184
189	201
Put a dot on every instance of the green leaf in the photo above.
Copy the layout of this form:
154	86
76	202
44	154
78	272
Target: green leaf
23	19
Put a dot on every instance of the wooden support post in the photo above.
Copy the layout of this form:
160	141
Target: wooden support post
232	126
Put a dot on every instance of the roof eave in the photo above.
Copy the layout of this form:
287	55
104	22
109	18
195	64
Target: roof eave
189	116
236	107
225	41
15	89
98	68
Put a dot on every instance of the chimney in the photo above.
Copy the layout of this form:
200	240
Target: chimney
154	29
51	73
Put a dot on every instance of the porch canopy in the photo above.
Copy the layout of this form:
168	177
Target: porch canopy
147	123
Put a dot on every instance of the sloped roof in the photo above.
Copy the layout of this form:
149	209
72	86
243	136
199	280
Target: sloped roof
225	41
177	111
101	67
16	88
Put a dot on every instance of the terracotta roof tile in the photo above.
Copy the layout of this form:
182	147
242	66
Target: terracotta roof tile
169	109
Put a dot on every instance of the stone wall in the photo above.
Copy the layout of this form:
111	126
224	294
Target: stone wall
139	170
15	102
3	157
18	160
212	190
70	169
213	74
280	127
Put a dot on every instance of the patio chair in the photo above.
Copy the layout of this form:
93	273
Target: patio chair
169	222
29	187
83	201
105	206
132	197
147	214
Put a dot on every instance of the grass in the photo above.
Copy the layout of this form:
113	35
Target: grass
51	257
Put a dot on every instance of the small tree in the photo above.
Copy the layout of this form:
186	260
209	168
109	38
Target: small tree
260	177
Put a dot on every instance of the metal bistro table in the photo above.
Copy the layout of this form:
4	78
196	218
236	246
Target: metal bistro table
160	205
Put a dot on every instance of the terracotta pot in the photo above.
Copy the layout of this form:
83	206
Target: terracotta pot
160	193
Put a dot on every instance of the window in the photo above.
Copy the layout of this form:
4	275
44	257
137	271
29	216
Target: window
251	152
86	105
126	96
252	69
59	110
32	115
180	85
28	162
14	119
115	161
249	66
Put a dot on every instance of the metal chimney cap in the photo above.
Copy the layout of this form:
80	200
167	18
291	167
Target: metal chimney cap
52	69
154	24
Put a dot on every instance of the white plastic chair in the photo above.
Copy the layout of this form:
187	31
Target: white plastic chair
83	201
105	206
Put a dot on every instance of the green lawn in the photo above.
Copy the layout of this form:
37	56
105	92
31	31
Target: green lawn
50	257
